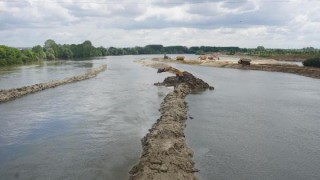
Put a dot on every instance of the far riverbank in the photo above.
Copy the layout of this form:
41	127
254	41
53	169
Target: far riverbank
255	65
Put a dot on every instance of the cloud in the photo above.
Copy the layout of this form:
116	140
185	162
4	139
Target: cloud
244	23
24	14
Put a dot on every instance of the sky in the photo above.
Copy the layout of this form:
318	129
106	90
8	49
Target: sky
129	23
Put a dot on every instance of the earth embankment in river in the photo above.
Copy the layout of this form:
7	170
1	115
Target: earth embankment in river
165	152
10	94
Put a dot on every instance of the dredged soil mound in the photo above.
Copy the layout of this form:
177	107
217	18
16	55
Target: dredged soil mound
165	152
188	79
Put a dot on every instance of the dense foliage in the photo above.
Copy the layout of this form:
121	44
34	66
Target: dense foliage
66	51
86	49
313	62
282	54
13	56
159	49
259	51
51	50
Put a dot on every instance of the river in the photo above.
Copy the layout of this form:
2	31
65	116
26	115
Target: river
85	130
254	125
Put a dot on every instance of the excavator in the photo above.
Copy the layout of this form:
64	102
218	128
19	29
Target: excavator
178	73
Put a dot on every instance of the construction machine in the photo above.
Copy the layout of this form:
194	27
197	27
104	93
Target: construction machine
178	73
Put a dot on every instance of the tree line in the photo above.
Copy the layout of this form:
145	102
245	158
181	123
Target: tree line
307	52
51	50
12	56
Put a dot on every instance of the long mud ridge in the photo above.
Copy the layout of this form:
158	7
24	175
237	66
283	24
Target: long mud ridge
10	94
285	68
165	153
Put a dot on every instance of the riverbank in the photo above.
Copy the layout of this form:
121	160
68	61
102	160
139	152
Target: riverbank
165	152
285	57
10	94
255	65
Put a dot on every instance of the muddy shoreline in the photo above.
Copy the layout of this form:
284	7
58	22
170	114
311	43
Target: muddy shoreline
303	71
10	94
165	152
285	68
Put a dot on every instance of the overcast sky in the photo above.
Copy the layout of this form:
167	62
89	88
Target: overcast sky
127	23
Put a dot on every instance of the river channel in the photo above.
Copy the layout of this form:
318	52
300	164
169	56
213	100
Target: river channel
254	125
85	130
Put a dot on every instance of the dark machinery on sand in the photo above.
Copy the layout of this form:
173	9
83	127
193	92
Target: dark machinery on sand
244	61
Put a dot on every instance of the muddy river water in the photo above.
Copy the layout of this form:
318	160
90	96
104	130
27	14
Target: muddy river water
254	125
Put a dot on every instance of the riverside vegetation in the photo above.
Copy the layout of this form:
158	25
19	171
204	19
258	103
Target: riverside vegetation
313	62
51	50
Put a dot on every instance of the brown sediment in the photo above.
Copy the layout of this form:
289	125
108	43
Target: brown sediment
165	152
10	94
285	68
303	71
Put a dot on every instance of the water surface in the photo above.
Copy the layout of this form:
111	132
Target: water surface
85	130
255	125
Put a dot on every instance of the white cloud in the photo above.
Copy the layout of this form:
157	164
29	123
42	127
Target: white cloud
249	23
176	14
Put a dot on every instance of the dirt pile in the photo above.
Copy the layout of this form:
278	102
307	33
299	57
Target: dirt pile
10	94
165	152
304	71
188	79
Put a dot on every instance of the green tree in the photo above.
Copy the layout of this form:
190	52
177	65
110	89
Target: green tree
309	50
65	52
51	44
28	56
260	48
50	54
312	62
13	56
38	51
87	49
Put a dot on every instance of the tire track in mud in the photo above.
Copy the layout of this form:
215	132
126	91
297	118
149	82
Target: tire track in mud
10	94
